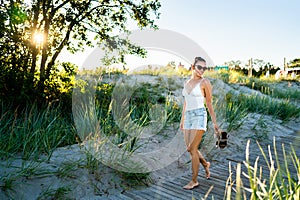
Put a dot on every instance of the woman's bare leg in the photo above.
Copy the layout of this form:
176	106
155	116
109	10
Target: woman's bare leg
193	139
205	164
187	138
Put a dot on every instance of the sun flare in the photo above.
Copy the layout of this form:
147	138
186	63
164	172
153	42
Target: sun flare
38	37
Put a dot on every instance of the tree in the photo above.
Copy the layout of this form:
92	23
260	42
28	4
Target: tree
294	63
172	64
261	67
234	64
34	34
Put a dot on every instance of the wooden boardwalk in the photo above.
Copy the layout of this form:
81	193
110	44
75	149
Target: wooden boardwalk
172	188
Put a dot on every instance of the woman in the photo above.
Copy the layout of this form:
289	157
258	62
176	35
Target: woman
194	117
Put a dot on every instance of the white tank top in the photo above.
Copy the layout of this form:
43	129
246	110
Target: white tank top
194	99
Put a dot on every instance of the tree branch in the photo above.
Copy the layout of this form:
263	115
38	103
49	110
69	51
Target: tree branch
54	10
61	46
67	36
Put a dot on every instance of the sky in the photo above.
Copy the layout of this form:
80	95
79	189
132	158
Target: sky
230	30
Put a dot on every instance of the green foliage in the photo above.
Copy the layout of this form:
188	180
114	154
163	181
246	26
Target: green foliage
234	64
173	110
261	134
269	87
34	131
224	75
235	114
279	183
166	71
28	66
294	63
60	85
143	99
229	111
141	105
136	179
57	193
103	97
264	105
92	163
259	67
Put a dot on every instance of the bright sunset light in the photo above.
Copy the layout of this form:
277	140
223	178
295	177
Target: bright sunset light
38	37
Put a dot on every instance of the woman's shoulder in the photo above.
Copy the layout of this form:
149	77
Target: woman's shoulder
205	81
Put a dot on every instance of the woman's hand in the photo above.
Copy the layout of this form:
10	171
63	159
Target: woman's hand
216	127
181	125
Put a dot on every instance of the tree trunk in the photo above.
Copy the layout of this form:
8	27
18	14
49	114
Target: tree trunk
33	30
41	84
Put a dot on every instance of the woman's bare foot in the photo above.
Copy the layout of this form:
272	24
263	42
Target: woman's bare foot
191	185
207	170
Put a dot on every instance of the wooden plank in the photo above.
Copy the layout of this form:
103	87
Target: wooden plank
217	176
214	173
134	195
172	188
203	187
180	187
164	193
179	191
119	197
154	195
148	194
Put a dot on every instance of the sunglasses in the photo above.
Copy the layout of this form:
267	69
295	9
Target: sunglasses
199	67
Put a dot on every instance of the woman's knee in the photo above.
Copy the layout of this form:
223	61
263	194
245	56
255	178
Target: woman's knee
193	151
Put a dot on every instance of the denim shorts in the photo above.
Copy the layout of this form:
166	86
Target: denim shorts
195	119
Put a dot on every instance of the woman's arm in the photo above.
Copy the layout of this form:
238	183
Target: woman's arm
208	97
182	116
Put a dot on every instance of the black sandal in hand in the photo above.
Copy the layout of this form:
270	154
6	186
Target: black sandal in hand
222	139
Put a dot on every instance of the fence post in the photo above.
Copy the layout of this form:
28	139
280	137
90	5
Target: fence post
250	68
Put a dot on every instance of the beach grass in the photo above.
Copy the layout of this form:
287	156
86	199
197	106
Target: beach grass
33	131
268	86
277	182
55	193
265	105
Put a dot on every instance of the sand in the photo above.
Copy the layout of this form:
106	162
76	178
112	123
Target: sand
71	173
